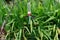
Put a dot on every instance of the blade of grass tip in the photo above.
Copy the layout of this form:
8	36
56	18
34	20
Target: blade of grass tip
7	34
37	38
46	37
58	30
34	32
25	38
46	34
12	26
14	34
10	22
20	33
17	36
31	27
24	35
56	36
39	30
28	30
41	36
54	28
40	33
51	18
37	18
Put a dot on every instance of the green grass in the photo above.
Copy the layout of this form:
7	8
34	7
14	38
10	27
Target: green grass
43	25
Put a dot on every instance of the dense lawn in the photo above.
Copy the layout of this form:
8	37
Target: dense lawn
44	23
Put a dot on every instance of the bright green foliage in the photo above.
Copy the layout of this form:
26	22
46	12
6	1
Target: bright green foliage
44	23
